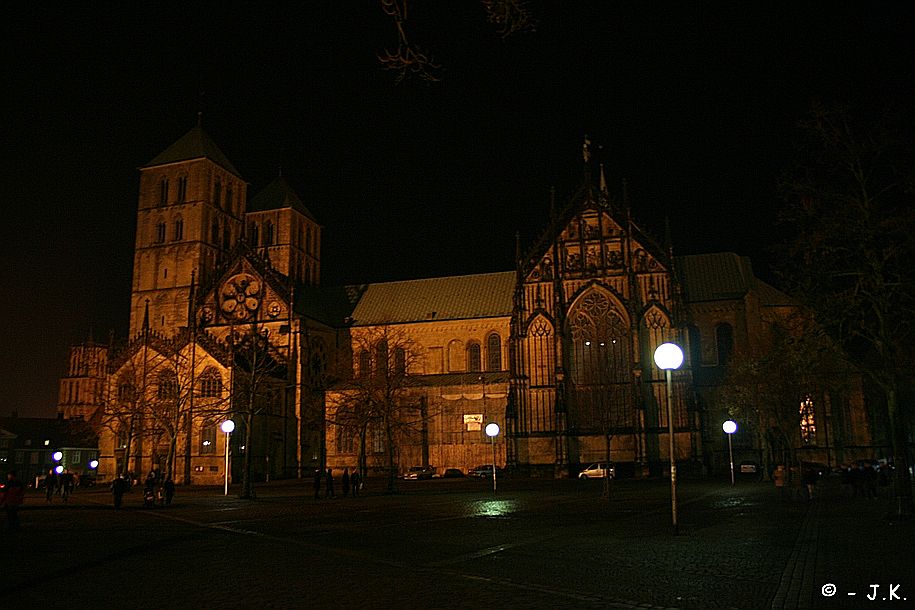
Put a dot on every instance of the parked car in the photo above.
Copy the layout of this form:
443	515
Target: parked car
419	473
597	470
452	473
748	467
483	471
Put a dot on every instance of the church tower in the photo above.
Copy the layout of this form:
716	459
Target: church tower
285	232
190	214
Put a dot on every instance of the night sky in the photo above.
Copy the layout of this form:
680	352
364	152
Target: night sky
693	104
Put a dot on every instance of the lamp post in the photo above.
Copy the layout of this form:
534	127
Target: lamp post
668	357
227	426
730	427
492	431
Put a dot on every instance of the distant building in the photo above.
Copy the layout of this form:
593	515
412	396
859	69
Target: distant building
28	445
228	320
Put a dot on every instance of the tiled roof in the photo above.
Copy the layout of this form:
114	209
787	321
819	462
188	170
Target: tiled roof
278	195
715	277
442	298
195	144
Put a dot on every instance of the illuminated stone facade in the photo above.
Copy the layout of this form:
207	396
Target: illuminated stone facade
558	351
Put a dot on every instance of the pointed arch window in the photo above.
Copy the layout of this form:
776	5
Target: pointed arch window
474	357
268	233
229	198
456	357
217	193
226	238
182	188
541	352
163	191
214	232
178	234
724	339
167	386
494	352
365	363
210	384
808	422
160	232
253	234
400	361
208	439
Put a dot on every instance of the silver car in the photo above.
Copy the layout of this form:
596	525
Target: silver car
597	470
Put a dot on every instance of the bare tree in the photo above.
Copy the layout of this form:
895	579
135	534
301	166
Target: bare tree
378	395
851	220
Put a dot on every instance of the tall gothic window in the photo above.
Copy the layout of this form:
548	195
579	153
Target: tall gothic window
268	233
229	198
217	193
160	232
179	230
474	361
808	422
724	339
365	363
208	439
400	361
253	234
167	386
214	232
541	352
494	352
210	383
163	191
182	188
600	365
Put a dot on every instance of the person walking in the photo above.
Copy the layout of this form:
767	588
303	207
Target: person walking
355	480
50	485
317	483
329	480
118	488
779	478
345	482
169	488
12	494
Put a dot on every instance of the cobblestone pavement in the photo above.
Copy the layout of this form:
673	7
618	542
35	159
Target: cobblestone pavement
454	543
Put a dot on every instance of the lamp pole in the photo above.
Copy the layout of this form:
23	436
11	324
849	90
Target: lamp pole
492	431
668	357
730	427
227	426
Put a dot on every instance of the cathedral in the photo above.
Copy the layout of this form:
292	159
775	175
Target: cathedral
229	320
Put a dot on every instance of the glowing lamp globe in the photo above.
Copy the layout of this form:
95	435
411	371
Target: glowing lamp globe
492	429
729	427
227	426
58	456
668	356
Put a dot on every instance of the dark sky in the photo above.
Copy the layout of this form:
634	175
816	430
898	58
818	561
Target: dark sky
693	103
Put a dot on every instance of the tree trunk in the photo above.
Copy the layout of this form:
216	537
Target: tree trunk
902	484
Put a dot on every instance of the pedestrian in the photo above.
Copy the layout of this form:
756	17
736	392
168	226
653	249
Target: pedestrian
810	481
66	484
169	488
118	488
356	481
12	494
317	483
50	485
779	478
345	482
329	480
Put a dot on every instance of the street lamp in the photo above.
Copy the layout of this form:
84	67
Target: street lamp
492	431
730	427
227	427
668	357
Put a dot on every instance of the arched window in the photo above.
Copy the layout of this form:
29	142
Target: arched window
179	230
365	363
167	386
208	439
724	340
601	365
808	422
253	234
214	232
226	237
381	357
163	191
217	193
494	352
400	361
229	200
308	239
474	360
210	384
268	233
182	188
126	392
160	232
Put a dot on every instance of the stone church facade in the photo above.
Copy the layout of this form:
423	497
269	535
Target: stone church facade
228	320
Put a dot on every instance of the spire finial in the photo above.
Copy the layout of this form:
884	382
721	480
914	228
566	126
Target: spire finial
200	118
586	149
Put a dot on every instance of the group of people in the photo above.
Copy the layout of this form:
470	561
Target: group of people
156	489
61	484
349	482
861	480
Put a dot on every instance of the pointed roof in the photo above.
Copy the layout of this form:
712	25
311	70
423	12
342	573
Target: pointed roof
195	144
276	196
